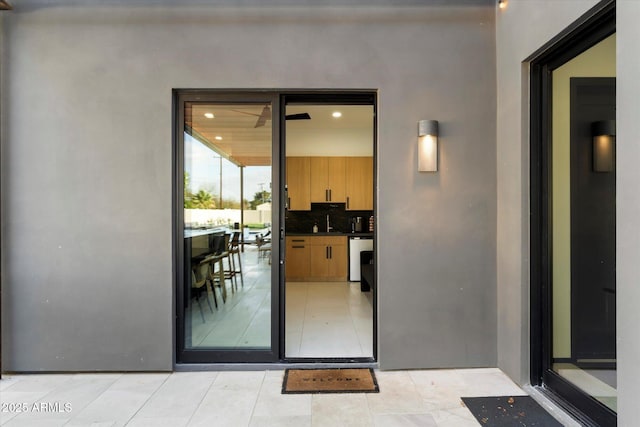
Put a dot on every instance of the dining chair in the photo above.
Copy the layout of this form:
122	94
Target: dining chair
264	248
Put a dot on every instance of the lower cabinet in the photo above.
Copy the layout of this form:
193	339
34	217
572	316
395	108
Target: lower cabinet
297	261
316	258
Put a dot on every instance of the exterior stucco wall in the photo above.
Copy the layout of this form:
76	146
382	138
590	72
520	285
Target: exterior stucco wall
521	29
88	275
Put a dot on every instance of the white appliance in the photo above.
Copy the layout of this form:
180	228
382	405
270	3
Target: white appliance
357	245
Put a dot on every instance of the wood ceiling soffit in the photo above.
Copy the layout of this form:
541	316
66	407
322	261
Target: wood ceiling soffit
243	143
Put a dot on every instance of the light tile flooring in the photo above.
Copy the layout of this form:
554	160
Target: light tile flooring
244	320
426	398
328	319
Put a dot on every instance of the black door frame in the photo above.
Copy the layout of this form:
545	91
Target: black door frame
245	355
277	98
593	27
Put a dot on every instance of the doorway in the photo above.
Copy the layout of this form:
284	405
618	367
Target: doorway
235	211
329	227
573	211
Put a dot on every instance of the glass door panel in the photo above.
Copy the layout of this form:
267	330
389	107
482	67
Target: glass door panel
583	223
227	215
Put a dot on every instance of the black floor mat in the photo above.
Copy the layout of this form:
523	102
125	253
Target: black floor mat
509	411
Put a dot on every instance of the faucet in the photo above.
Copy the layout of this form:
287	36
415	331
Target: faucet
329	227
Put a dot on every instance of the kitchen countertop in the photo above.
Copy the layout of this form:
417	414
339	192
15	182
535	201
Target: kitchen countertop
195	232
333	233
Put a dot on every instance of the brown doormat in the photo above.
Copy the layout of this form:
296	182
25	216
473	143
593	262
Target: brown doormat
359	380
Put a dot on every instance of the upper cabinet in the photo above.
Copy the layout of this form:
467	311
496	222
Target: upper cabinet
346	180
298	175
328	179
359	183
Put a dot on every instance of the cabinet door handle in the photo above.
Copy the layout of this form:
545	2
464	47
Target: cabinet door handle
330	252
326	195
330	196
297	247
326	250
297	240
347	202
288	203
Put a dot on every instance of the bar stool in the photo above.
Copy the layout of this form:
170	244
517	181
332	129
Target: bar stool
234	249
217	276
230	272
199	282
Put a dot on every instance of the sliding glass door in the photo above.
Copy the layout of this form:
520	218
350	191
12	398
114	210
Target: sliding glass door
227	216
573	221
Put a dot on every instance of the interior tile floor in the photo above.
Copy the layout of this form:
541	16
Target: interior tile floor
328	319
426	398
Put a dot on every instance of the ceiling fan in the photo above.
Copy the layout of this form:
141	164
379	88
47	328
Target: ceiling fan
266	115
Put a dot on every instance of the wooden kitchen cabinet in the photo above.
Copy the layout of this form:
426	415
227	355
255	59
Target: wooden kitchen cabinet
328	258
298	258
298	184
338	262
359	183
316	258
327	179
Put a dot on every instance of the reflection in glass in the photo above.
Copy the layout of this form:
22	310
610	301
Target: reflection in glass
227	225
583	225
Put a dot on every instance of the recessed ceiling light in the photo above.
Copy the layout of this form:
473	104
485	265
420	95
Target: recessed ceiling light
337	114
209	115
218	138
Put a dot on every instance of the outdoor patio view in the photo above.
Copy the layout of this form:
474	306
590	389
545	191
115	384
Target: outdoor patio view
227	226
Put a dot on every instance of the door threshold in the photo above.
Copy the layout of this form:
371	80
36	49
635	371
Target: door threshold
280	366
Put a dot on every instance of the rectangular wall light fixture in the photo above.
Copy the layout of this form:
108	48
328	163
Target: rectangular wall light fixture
604	144
427	146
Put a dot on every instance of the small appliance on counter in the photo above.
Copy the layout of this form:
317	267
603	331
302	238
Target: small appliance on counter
356	224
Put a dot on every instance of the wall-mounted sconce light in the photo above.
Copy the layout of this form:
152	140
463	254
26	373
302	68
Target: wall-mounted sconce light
427	146
604	145
502	4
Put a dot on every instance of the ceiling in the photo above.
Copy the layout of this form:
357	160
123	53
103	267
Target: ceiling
232	132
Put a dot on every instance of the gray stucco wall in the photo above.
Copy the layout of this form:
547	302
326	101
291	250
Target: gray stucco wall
534	22
87	166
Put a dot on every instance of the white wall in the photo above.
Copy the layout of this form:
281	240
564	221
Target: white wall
87	222
628	211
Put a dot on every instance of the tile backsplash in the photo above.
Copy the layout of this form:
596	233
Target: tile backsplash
303	221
